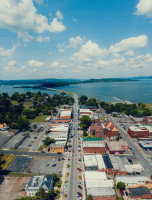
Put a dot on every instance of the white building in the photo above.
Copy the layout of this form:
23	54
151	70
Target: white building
131	180
39	181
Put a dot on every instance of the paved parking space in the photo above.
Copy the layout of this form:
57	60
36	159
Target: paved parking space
41	165
3	138
19	164
28	142
15	139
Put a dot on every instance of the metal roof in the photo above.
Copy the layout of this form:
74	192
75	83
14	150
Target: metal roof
107	162
131	179
92	139
139	191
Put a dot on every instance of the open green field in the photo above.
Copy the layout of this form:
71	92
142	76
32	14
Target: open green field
6	160
149	105
14	102
27	104
40	118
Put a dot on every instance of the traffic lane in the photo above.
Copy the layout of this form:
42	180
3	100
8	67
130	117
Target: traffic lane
30	153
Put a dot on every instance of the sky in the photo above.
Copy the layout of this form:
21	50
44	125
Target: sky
75	39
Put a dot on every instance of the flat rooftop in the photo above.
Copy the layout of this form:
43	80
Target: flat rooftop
137	128
93	144
146	144
101	191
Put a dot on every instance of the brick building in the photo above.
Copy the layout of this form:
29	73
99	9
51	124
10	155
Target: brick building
148	120
97	184
93	146
96	119
116	146
57	147
97	130
111	130
138	132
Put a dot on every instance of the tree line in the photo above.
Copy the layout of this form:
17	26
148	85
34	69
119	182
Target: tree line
136	110
14	112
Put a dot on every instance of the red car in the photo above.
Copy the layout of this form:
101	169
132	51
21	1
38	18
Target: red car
122	192
80	169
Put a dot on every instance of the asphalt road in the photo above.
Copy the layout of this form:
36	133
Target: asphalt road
140	156
35	146
30	153
73	173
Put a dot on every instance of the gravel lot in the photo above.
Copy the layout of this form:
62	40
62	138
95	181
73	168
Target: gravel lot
10	188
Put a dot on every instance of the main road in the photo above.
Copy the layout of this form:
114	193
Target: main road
73	171
140	156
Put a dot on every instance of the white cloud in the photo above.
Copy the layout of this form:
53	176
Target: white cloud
129	44
129	53
56	26
40	38
144	7
11	67
8	52
39	1
73	43
35	63
21	16
25	36
59	15
56	64
89	51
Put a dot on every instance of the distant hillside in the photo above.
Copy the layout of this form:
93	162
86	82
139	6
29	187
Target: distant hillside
108	80
51	83
142	77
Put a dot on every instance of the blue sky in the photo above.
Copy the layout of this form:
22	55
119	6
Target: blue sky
75	38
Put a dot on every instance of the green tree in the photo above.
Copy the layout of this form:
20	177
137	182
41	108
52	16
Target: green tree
55	177
85	122
48	141
83	99
41	194
121	185
89	197
85	133
58	184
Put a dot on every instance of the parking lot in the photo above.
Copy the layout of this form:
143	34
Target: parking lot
45	165
4	136
28	142
19	164
15	139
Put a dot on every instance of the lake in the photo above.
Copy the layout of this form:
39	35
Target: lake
132	91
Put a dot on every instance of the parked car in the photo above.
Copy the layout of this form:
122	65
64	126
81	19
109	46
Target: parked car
122	192
79	169
79	194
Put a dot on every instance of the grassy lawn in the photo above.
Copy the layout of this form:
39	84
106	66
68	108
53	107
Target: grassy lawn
149	105
14	102
20	174
80	177
40	118
6	160
27	104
